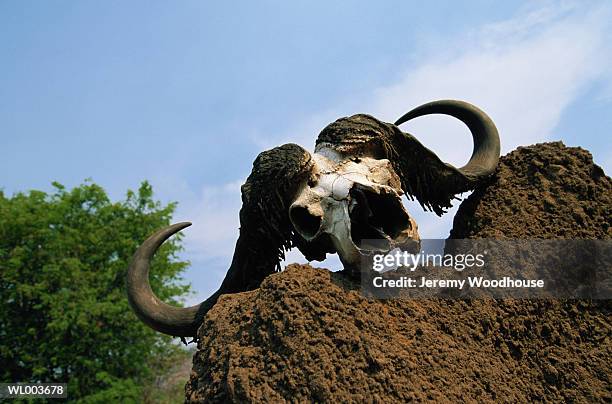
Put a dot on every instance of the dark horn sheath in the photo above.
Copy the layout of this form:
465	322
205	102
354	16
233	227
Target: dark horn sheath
178	321
424	176
486	138
265	233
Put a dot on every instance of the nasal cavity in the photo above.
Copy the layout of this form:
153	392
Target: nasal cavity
306	223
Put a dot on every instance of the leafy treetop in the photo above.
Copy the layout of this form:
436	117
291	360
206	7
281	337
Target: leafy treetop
65	315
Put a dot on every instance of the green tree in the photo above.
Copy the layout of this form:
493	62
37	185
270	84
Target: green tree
64	314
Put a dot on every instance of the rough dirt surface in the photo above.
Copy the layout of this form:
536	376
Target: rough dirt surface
547	191
308	335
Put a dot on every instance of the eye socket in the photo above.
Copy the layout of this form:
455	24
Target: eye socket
304	222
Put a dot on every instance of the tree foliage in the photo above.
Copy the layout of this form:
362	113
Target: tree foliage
65	315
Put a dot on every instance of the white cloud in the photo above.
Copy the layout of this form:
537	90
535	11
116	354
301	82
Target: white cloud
523	73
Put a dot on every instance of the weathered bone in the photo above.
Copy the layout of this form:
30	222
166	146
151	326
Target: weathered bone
324	208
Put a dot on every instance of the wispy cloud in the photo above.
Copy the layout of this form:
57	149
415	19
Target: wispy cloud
523	72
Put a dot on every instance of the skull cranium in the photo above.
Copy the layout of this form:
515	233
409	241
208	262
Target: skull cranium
351	200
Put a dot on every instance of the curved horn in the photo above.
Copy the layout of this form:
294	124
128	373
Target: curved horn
265	235
486	138
177	321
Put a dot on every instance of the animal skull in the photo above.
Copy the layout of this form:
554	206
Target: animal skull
353	200
345	194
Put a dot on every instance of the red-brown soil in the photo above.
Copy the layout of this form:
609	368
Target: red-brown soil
309	335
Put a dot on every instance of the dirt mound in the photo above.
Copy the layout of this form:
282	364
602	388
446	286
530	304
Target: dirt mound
545	191
309	335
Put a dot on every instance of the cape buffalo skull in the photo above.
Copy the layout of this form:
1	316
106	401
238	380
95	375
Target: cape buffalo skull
347	191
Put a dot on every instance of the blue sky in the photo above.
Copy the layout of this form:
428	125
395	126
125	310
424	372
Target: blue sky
186	94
